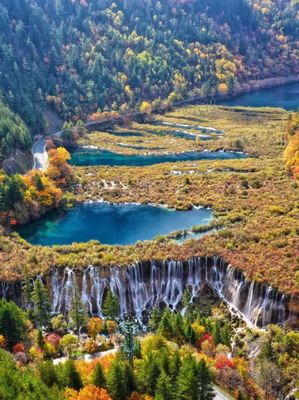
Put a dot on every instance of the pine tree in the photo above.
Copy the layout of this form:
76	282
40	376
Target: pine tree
41	305
111	306
72	376
216	332
163	360
47	373
164	388
130	345
186	387
190	334
165	326
27	290
177	326
155	318
205	389
40	339
175	365
225	335
116	381
150	372
98	377
77	315
129	378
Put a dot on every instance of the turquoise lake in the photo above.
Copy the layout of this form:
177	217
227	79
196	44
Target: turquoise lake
111	224
285	96
105	157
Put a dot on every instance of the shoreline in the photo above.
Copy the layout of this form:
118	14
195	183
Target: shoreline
250	86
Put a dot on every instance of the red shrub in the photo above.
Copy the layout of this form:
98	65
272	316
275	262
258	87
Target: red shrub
223	361
206	336
53	339
18	348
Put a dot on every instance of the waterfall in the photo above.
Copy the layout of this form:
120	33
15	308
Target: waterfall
143	285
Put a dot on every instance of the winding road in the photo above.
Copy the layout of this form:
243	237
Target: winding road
39	152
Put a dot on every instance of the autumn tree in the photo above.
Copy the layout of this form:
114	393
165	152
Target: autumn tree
91	392
59	170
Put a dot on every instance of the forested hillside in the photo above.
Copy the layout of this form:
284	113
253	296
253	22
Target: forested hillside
81	55
13	132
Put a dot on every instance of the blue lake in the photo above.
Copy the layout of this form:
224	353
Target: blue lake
285	96
111	223
105	157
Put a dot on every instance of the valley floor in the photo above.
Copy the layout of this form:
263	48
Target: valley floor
254	201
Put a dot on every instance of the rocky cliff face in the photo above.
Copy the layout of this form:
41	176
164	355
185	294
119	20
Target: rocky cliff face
18	162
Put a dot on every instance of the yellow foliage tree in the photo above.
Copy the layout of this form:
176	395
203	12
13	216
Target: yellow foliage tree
222	88
146	107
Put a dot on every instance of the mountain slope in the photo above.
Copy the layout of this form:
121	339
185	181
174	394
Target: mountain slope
80	55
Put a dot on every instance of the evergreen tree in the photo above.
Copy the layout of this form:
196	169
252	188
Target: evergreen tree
98	377
116	381
165	325
47	373
27	291
111	306
163	360
155	318
72	376
205	389
178	328
226	335
216	332
186	386
40	339
164	388
12	323
190	334
130	346
186	298
175	365
150	372
77	315
41	305
129	378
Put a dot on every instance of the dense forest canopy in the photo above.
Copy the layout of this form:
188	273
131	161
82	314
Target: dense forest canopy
81	55
13	132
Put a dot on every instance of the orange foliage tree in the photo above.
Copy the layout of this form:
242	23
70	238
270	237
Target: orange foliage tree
94	327
89	392
59	170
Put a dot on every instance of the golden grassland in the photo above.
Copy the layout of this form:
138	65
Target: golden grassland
150	141
254	201
156	138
